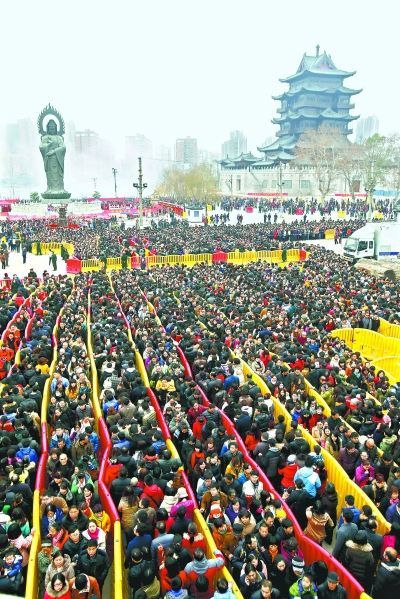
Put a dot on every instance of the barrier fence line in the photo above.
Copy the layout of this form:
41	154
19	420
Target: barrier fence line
389	329
189	260
32	579
198	517
312	551
104	455
337	475
375	348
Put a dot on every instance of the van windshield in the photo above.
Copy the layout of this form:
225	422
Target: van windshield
351	244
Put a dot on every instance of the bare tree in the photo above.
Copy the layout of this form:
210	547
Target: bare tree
393	171
350	165
375	163
321	149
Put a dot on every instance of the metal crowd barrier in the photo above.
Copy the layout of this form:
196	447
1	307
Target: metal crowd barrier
383	352
311	550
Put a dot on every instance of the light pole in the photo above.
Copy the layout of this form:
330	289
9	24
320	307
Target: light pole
114	172
140	186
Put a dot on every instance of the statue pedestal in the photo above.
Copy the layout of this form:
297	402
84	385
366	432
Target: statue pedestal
56	195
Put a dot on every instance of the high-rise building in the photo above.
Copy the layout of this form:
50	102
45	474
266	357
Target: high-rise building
186	151
316	96
367	127
86	141
138	145
235	145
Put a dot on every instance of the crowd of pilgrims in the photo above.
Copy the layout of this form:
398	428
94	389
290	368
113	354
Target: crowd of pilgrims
276	319
101	238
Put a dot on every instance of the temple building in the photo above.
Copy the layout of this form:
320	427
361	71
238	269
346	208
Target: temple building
316	96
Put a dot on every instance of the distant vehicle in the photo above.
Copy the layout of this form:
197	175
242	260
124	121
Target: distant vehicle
380	241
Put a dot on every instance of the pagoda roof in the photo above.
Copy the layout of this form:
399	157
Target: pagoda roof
264	162
317	89
328	113
226	163
320	64
287	142
249	157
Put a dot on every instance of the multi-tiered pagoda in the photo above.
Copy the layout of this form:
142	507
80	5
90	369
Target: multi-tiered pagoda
316	96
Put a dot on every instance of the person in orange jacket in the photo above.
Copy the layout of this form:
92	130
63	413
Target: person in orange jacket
84	586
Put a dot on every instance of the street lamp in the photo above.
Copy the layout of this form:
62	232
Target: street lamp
140	186
114	172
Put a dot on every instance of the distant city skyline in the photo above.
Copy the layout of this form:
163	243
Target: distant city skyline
123	84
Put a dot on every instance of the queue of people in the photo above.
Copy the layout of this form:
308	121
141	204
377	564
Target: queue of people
279	320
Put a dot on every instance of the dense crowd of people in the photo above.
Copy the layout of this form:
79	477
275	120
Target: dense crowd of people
340	377
279	321
107	238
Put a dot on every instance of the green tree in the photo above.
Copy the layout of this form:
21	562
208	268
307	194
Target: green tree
198	183
34	196
96	195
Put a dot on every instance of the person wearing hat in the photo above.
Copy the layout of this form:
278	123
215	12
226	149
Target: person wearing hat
44	560
304	586
183	501
287	472
331	588
359	559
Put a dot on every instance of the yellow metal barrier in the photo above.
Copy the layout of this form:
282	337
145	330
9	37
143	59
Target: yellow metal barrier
32	577
119	584
389	329
114	263
47	248
93	264
374	347
97	412
236	257
210	549
172	449
344	485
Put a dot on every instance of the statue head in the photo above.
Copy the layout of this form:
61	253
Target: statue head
51	127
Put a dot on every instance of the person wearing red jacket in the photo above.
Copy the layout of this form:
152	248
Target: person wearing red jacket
152	492
287	472
197	428
192	539
194	412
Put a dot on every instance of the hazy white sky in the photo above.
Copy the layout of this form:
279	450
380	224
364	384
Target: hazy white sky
171	68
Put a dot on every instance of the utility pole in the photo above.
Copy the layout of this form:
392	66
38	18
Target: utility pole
94	179
140	186
114	172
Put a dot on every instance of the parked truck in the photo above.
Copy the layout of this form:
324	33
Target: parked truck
380	241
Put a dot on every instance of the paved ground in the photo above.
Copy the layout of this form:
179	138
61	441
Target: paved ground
38	263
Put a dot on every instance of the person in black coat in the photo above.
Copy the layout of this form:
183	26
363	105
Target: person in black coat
93	562
331	588
387	579
243	422
359	559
